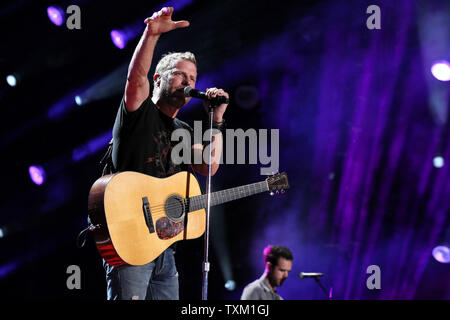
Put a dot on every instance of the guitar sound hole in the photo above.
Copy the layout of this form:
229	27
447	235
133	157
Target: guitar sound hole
175	208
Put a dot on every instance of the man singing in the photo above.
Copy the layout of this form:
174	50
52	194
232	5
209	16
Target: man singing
142	143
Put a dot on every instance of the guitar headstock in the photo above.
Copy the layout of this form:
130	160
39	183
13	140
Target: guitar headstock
278	182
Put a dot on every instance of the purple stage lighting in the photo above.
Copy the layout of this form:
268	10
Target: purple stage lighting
56	15
37	174
441	70
442	254
91	147
119	38
8	268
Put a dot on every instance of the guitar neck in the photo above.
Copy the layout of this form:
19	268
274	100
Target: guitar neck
227	195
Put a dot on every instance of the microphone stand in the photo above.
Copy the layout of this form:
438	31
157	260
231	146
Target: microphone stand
328	294
208	208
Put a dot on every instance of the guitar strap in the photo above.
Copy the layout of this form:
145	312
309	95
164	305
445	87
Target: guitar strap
107	160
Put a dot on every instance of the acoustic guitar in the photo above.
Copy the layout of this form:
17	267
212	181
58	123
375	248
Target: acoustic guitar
135	217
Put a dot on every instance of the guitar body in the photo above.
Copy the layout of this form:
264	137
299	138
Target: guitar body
136	217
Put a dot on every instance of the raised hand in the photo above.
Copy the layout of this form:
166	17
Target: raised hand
161	22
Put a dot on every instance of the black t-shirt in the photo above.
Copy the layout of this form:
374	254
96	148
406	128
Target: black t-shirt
142	140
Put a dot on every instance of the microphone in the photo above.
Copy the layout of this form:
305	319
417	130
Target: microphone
194	93
310	275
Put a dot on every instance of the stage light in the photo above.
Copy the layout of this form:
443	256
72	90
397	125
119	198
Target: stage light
441	70
1	233
438	162
230	285
11	80
56	15
119	39
442	254
78	100
37	174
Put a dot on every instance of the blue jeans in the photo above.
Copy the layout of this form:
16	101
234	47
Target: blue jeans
157	280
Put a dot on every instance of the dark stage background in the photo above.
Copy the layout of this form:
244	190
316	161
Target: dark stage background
361	120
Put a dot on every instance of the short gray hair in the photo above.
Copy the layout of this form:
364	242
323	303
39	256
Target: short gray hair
169	61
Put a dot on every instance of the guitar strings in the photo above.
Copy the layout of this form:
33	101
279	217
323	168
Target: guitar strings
218	195
199	199
159	210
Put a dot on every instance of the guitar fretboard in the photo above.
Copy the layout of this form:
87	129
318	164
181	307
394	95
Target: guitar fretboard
219	197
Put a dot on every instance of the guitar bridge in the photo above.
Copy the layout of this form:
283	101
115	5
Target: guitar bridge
147	215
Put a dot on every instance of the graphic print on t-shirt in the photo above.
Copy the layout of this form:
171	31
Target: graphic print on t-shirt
162	160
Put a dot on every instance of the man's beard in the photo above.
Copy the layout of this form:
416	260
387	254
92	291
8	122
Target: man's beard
175	99
274	282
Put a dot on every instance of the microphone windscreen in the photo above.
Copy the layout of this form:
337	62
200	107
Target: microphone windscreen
187	91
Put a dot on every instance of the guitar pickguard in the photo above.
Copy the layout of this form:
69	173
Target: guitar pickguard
166	228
